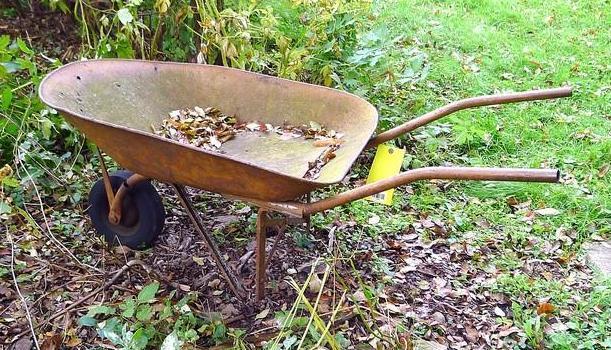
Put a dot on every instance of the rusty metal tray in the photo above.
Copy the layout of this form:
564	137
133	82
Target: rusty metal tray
114	103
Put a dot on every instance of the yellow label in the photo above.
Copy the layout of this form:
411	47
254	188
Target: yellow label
386	163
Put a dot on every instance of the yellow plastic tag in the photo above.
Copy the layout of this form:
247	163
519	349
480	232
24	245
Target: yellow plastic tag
386	163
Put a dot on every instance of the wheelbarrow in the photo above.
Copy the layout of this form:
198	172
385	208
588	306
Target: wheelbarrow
115	102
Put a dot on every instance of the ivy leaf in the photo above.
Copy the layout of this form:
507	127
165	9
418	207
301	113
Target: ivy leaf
9	67
5	208
148	292
4	41
171	342
101	309
87	321
144	313
288	342
128	307
24	47
7	98
219	332
139	339
125	16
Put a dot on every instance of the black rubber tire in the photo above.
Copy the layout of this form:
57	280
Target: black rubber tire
143	215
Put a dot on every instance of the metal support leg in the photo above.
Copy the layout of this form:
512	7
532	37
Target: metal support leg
229	276
110	195
260	254
265	222
114	214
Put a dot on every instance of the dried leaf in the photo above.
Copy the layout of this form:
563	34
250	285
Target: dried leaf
52	342
545	309
499	312
327	142
261	315
508	332
315	284
199	261
471	333
547	211
373	220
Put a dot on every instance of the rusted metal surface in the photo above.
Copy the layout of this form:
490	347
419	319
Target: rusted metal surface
227	273
445	173
114	103
260	254
297	209
110	194
468	103
116	205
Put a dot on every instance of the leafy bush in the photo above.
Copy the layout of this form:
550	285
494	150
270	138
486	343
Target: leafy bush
309	42
144	322
40	144
382	67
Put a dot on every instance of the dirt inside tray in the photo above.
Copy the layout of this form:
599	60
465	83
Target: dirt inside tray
302	150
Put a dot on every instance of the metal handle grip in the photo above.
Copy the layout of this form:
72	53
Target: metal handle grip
443	173
469	103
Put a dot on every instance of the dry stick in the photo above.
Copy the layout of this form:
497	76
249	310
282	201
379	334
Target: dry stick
25	304
273	250
51	264
106	285
244	259
54	289
118	273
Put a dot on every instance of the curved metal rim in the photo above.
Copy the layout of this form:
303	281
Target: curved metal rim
41	95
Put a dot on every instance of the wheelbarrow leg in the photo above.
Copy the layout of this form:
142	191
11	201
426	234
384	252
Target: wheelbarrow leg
110	195
264	222
261	266
229	276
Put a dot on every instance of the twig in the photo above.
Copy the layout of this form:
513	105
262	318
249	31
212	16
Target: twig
315	166
244	259
103	287
331	239
25	304
274	248
56	288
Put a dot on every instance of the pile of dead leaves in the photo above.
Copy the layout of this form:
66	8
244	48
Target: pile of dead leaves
209	128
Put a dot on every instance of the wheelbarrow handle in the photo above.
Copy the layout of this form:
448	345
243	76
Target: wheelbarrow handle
469	103
429	173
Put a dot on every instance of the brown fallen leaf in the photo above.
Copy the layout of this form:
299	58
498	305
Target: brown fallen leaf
545	309
52	341
603	170
471	333
327	142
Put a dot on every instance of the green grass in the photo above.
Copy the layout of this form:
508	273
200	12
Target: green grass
519	46
474	48
484	47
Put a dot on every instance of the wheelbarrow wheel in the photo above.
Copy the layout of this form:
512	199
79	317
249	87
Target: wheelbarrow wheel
142	213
